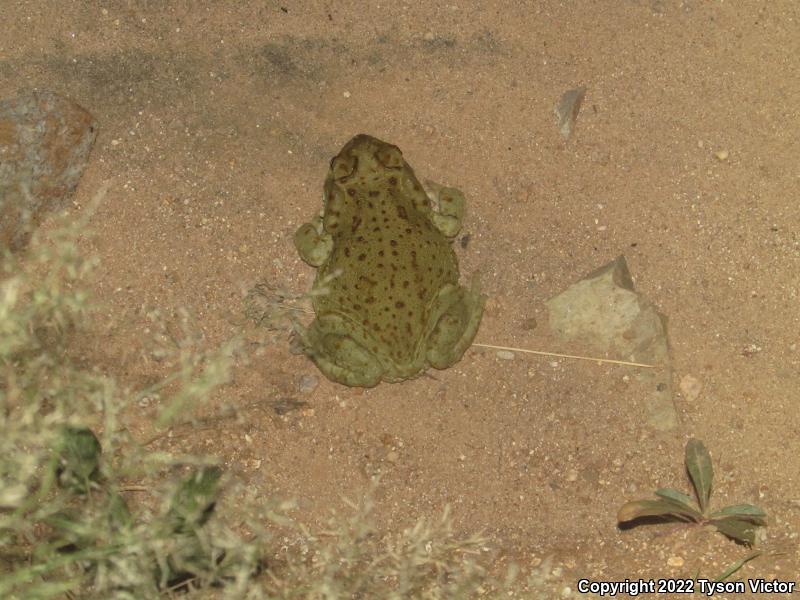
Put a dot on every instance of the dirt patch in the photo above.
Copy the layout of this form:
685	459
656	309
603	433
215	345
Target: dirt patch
216	127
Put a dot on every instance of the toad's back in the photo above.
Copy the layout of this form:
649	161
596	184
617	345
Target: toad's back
391	259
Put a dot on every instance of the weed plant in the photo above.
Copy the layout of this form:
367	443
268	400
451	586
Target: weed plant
88	512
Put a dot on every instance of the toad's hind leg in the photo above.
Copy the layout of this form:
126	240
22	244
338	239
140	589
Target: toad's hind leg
451	208
338	355
456	315
313	243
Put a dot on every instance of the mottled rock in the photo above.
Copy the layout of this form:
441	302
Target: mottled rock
604	310
45	142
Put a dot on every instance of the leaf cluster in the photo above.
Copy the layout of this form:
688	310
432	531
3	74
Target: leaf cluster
738	522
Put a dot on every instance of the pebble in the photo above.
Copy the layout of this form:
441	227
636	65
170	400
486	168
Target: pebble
308	383
751	349
721	154
505	355
690	387
675	561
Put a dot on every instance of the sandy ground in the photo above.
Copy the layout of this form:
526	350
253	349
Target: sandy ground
217	122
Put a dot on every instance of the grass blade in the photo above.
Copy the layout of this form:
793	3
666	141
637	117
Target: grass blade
737	565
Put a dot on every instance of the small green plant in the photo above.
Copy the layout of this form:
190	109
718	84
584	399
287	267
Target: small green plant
738	522
179	525
69	524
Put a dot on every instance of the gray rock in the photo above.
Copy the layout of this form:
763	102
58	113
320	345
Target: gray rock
604	311
45	142
567	110
308	383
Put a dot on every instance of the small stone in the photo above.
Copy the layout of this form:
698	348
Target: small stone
567	109
721	155
675	561
751	350
392	456
572	475
505	355
761	535
308	383
690	387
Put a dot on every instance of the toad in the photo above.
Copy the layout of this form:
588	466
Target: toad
387	297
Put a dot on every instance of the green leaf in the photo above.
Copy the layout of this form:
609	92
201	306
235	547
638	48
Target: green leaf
743	511
698	463
78	452
71	533
737	529
655	508
193	501
119	513
676	496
